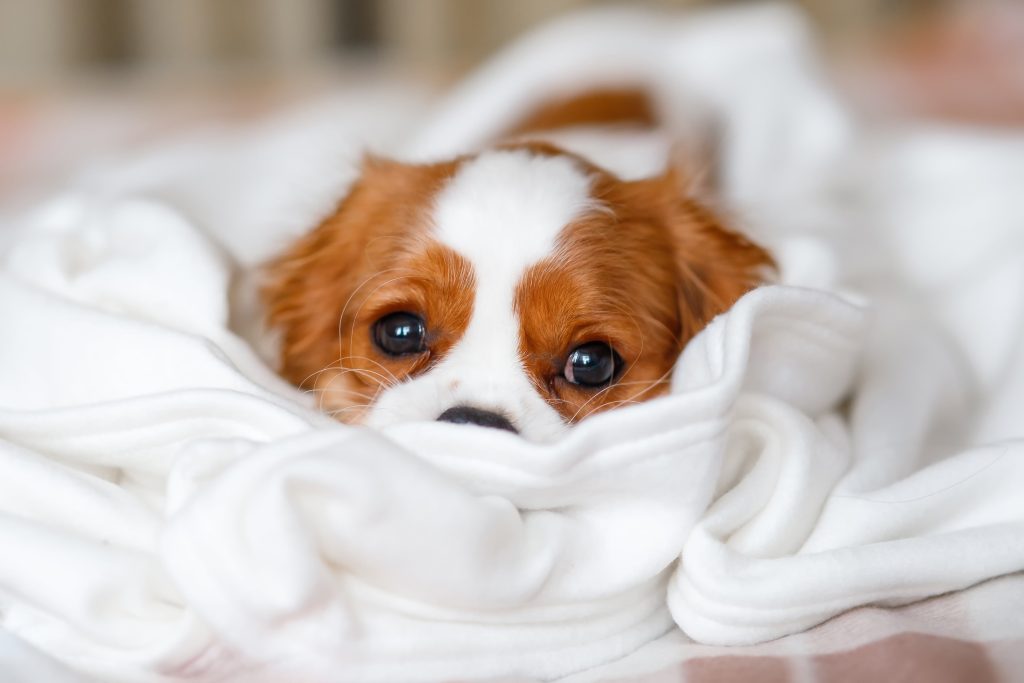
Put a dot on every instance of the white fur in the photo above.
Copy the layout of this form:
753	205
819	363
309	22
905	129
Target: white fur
503	212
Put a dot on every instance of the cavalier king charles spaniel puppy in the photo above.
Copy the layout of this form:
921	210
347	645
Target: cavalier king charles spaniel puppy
522	288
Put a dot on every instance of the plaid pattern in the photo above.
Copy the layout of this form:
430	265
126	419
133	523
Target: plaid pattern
973	636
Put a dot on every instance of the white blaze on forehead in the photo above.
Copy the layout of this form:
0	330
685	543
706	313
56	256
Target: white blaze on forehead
503	211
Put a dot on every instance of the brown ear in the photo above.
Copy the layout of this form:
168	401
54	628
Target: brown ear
306	288
316	287
715	264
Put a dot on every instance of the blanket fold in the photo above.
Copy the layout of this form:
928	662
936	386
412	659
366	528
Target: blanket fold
271	520
170	509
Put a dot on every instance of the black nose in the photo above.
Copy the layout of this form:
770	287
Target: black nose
475	416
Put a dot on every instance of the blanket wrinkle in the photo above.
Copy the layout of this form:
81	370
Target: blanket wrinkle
172	510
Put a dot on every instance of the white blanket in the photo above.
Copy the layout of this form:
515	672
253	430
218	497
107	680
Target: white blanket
169	509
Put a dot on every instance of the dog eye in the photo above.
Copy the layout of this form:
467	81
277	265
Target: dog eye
400	334
592	364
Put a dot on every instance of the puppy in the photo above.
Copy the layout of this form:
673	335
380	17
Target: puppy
522	287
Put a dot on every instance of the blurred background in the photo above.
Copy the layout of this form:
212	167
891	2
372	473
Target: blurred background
83	77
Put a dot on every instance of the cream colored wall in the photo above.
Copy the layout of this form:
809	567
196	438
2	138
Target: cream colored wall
42	39
45	39
51	39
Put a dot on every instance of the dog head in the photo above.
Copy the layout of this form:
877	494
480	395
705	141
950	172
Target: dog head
520	288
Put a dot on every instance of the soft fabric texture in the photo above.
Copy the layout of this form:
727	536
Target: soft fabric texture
968	635
170	509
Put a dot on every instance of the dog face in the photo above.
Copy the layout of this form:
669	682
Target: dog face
521	288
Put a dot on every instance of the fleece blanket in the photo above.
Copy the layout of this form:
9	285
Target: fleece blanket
171	510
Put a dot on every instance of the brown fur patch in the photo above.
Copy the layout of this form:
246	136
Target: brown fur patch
599	107
645	276
371	257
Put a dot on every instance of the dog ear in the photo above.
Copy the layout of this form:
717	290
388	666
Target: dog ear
306	287
715	264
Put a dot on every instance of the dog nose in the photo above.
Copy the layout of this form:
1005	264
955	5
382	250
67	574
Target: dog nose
475	416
